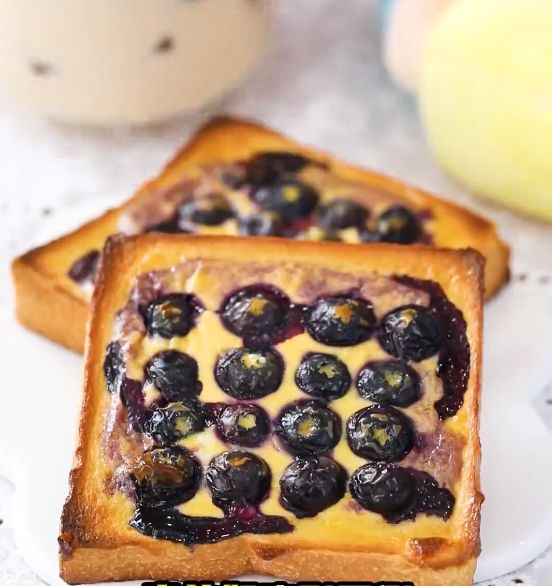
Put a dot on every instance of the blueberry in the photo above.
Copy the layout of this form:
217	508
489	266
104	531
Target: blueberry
210	210
399	225
85	268
238	477
175	374
341	214
393	382
166	476
113	367
308	427
308	486
167	227
255	311
319	235
263	223
323	376
283	162
175	422
380	432
247	374
266	168
243	424
292	199
382	488
340	321
171	315
412	332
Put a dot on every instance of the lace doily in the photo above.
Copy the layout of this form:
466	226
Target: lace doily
321	83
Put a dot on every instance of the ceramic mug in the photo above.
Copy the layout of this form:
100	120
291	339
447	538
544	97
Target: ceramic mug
106	62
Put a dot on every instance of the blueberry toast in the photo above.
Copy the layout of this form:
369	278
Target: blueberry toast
303	410
237	178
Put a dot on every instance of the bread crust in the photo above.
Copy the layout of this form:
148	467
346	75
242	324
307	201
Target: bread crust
49	303
96	547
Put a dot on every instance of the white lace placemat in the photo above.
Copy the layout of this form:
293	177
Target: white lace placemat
321	83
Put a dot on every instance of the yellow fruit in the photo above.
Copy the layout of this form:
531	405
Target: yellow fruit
485	96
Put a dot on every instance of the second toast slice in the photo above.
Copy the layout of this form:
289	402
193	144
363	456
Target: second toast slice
239	178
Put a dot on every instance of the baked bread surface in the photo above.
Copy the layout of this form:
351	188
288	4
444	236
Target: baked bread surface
51	303
342	543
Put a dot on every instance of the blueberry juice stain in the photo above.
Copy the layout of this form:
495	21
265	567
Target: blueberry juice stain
168	523
453	366
129	390
399	494
238	482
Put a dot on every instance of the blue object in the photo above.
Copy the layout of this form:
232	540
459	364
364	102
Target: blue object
385	8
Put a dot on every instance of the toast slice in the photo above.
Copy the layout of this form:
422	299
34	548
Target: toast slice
303	410
53	283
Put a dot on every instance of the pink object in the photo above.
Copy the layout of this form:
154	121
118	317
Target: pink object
409	23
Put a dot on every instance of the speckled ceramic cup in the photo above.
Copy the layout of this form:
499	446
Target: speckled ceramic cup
106	62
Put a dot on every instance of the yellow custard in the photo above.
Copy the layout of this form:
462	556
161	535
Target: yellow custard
439	451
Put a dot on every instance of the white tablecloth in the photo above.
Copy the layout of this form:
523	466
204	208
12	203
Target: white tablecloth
321	83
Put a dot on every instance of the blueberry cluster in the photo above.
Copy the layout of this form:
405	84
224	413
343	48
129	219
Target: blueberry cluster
273	183
286	206
308	429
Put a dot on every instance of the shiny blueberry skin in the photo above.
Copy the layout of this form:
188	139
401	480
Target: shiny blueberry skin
175	374
264	223
453	366
113	367
210	210
267	168
310	485
166	476
247	374
308	427
382	488
282	161
323	376
175	422
392	382
169	523
255	311
412	332
85	268
341	214
244	424
238	477
399	225
399	494
340	321
292	199
380	432
171	315
167	227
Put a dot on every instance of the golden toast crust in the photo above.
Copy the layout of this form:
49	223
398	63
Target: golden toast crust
96	546
48	302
